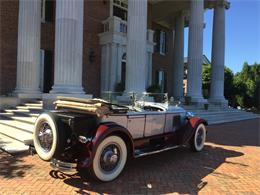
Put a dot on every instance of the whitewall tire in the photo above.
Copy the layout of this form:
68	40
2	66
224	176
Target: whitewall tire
48	136
199	138
110	158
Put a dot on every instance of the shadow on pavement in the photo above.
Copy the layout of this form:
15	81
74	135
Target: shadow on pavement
174	171
12	166
243	133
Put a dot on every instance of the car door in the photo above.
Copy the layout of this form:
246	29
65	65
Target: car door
154	124
135	125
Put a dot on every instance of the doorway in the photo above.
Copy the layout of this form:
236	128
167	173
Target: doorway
47	71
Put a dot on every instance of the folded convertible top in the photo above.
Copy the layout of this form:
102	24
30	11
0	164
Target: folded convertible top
97	107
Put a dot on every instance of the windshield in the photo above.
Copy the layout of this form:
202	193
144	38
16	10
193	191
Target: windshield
132	98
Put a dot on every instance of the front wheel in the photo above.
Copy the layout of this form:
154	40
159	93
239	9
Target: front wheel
110	158
198	139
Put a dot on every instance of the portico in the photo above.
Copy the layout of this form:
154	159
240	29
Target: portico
133	38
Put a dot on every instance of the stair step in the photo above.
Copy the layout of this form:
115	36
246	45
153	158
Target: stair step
228	116
30	120
21	107
12	146
225	115
25	119
214	113
17	124
33	104
211	122
23	112
15	133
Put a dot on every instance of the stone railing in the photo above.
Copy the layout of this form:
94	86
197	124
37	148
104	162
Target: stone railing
117	25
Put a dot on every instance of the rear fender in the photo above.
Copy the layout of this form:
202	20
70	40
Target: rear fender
104	130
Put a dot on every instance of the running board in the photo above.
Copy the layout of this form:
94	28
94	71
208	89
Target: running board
141	154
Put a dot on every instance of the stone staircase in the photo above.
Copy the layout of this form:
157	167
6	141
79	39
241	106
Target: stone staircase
217	115
16	126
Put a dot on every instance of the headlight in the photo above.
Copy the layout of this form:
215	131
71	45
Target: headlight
189	115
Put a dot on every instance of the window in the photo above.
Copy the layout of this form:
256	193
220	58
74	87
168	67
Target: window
47	8
161	44
120	9
161	80
43	10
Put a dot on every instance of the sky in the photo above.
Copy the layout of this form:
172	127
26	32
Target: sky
242	34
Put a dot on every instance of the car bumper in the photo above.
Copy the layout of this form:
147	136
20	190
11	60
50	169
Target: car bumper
63	166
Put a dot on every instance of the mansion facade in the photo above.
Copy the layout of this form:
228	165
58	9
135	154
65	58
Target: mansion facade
84	48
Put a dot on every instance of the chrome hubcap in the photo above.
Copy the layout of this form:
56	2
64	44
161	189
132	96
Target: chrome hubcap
109	158
45	137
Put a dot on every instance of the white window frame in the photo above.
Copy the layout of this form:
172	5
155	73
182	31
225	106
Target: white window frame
122	4
43	7
161	79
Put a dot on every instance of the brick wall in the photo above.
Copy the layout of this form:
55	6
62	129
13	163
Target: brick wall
95	12
164	62
8	45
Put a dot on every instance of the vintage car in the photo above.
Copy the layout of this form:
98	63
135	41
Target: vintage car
97	137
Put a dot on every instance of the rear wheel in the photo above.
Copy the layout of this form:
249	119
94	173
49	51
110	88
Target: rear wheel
198	140
49	136
110	158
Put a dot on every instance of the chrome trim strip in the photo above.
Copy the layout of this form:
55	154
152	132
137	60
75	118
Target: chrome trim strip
155	151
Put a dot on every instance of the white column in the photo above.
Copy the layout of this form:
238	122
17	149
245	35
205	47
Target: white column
136	46
178	58
218	55
113	66
195	51
68	47
104	62
28	52
119	63
149	58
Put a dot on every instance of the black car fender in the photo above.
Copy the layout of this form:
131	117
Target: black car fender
185	133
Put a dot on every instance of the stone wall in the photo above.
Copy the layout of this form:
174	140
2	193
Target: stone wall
95	12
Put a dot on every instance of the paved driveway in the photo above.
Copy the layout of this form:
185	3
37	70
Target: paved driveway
230	164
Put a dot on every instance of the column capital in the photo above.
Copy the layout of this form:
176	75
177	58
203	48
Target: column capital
220	3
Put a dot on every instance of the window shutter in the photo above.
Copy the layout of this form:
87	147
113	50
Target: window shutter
166	43
165	82
157	41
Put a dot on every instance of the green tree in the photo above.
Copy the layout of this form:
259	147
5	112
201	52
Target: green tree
206	79
229	90
247	86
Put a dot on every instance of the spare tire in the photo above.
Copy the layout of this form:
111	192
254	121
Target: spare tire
49	136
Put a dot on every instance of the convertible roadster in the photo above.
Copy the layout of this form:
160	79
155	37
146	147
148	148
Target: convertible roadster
98	137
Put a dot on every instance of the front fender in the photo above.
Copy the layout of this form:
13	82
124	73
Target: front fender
185	133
